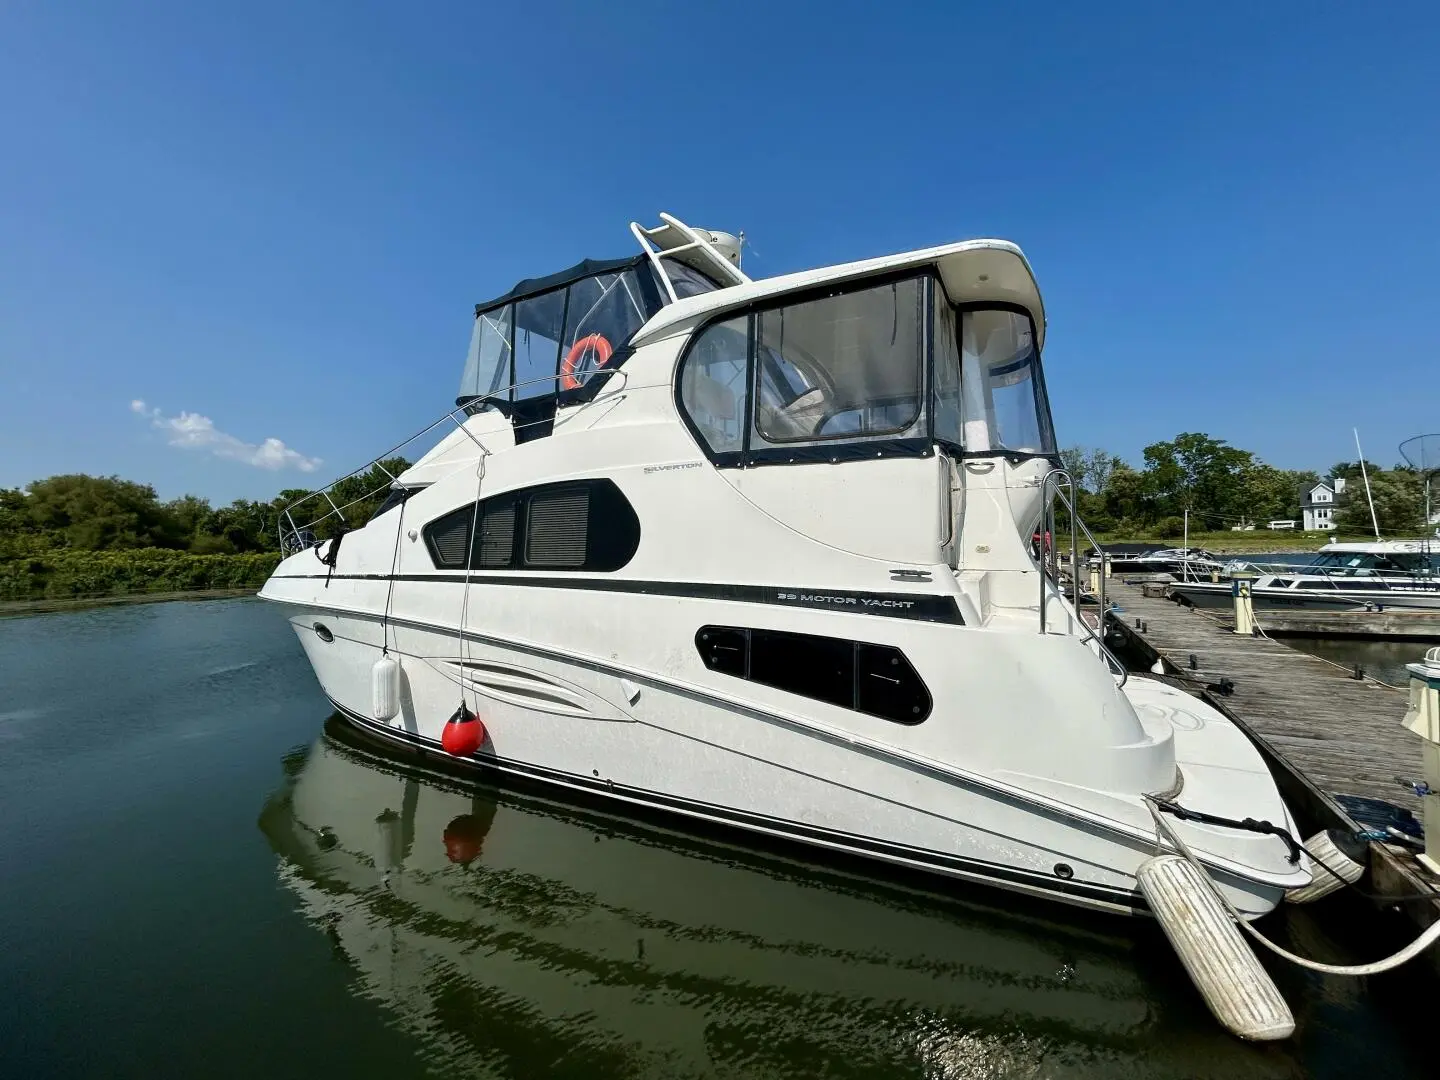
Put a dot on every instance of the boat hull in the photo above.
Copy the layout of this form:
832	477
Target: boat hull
655	747
1218	595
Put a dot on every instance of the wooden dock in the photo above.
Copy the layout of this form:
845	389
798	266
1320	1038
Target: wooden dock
1406	625
1322	731
1342	735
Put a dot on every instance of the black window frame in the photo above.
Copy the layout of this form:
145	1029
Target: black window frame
612	529
815	451
731	650
774	363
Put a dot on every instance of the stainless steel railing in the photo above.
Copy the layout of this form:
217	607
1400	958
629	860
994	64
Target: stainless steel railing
294	536
1052	491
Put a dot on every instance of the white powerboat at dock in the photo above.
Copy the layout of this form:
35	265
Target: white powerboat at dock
758	552
1183	562
1385	574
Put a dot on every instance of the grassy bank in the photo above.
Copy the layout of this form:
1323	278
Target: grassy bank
1237	543
63	575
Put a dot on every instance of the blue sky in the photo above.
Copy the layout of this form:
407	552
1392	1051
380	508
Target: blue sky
276	217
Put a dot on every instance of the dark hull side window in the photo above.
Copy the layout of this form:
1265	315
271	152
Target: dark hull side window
873	679
575	525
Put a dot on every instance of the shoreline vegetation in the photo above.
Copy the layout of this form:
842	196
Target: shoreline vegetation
79	537
14	608
81	575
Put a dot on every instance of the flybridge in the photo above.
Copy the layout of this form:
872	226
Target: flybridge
549	336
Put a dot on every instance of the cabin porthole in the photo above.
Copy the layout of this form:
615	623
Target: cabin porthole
323	632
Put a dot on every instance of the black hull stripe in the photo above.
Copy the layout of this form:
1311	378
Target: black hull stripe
922	607
1003	876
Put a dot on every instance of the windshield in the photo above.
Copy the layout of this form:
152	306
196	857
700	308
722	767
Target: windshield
852	367
1001	386
686	280
842	367
1364	562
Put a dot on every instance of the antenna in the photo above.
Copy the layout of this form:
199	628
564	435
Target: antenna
1374	523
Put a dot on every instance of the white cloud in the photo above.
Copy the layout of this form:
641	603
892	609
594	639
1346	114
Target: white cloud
195	432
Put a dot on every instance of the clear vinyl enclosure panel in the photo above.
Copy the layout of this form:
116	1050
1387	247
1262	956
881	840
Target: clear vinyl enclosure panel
1001	384
545	344
851	368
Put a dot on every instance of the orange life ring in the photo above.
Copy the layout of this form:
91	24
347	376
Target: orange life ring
586	344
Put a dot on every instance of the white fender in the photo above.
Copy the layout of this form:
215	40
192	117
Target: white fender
385	688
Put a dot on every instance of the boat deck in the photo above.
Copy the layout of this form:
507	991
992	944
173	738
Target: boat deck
1339	734
1322	731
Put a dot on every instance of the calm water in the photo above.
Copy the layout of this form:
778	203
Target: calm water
1383	660
198	881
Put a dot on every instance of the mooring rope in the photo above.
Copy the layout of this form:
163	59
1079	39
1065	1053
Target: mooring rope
1248	824
394	563
1414	949
469	564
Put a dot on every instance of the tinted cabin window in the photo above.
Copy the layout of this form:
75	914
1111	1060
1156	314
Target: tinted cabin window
725	650
559	520
495	547
396	496
873	679
580	525
886	685
448	537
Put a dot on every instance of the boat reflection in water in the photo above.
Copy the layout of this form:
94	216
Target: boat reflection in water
514	935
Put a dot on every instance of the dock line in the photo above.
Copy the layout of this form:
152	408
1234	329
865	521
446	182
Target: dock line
1414	949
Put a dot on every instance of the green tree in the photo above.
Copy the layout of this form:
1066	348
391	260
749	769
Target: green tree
1197	473
1091	466
1125	498
1399	496
1072	460
1100	466
188	516
1265	492
97	513
243	525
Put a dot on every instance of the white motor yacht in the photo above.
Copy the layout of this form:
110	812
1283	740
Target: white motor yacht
1344	577
1183	562
758	552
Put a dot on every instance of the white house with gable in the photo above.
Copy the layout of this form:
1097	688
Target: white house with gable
1317	504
